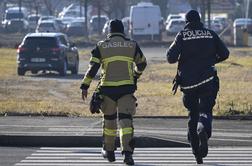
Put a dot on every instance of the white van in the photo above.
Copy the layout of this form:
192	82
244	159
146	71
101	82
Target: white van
145	21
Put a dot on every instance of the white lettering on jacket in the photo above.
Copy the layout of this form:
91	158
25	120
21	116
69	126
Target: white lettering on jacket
117	44
196	34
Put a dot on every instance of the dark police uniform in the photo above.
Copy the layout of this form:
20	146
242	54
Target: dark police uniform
197	50
122	62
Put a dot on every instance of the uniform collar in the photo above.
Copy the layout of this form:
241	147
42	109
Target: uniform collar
110	35
193	25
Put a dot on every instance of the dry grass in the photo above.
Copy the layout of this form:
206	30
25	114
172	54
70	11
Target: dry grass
50	95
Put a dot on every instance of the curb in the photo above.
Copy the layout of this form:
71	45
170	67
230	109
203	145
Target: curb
83	141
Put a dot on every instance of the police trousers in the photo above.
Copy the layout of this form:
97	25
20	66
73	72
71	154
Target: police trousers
199	103
121	111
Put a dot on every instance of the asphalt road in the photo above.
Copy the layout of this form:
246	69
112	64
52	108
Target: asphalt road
11	155
225	132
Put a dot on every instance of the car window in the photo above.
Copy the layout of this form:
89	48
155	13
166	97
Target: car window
46	25
14	15
42	42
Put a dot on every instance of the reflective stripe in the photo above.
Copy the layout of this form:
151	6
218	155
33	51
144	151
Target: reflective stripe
196	85
125	131
109	132
117	83
117	58
94	59
130	72
129	81
87	80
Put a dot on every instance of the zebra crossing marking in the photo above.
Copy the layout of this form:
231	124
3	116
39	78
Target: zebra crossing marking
74	156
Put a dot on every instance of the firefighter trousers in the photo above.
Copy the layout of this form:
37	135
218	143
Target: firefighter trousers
121	111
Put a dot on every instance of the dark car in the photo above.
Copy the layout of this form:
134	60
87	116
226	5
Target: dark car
94	23
76	28
17	25
47	51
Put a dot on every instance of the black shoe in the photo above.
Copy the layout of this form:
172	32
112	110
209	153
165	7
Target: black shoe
128	158
109	155
203	145
199	160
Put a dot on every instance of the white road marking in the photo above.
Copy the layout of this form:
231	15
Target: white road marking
76	156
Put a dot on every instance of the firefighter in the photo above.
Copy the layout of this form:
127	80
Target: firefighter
197	50
122	63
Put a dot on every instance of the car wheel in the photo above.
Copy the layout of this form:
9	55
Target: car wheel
75	69
63	69
20	71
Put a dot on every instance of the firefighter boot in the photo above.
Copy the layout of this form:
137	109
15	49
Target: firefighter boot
109	155
128	160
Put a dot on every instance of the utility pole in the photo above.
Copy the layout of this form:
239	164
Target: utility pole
203	10
209	13
80	8
99	16
20	6
86	17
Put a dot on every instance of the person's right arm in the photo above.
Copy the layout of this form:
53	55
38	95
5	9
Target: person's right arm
174	50
94	66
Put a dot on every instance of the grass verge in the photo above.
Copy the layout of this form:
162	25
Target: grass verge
50	94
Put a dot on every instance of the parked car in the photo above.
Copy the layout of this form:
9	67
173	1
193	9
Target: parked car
94	23
145	21
47	51
47	26
216	25
174	26
76	28
15	20
33	21
223	20
44	18
243	23
17	25
61	25
172	16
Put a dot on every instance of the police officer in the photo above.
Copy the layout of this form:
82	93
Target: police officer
122	62
197	50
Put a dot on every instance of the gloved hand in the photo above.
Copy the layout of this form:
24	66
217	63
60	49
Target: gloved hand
84	94
95	103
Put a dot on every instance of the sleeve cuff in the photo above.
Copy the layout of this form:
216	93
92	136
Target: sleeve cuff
84	87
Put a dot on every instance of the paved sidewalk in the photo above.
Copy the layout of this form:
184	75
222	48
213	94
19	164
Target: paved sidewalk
87	132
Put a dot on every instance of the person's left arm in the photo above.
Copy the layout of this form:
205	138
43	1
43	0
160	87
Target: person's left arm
140	61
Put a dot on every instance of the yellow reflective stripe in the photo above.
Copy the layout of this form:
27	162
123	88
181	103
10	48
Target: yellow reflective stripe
94	59
130	71
125	131
87	80
117	83
109	132
117	58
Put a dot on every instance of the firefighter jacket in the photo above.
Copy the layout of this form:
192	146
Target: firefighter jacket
121	61
197	50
